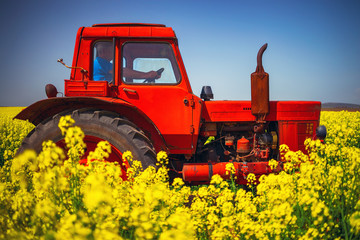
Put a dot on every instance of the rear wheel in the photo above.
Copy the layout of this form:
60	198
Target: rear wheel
97	126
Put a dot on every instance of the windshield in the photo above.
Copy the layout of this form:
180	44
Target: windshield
149	63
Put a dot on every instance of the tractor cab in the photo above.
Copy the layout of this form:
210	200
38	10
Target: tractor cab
141	65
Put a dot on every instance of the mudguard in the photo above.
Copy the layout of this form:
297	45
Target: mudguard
47	108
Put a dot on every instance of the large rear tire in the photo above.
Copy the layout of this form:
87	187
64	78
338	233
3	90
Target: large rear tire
97	125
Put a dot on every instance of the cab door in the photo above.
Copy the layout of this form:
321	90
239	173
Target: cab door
166	99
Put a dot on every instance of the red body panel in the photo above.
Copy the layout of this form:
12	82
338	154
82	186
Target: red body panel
86	88
234	111
164	105
129	30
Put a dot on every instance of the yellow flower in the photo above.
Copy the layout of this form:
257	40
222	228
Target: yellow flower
96	191
273	164
178	183
251	178
216	179
162	159
227	209
230	169
65	122
102	151
355	219
288	167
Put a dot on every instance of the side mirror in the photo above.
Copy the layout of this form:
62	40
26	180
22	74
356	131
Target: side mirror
206	93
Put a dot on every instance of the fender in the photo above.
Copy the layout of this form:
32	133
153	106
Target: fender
46	108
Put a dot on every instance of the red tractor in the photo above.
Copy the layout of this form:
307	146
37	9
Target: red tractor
128	86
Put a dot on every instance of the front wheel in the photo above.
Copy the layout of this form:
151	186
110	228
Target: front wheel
97	125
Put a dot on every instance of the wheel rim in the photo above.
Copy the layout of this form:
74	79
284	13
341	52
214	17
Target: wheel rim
91	143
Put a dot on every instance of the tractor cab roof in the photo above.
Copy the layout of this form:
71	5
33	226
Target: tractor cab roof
128	30
128	25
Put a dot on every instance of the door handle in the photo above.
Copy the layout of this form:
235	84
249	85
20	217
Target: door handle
129	90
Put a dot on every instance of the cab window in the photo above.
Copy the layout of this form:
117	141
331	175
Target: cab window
103	53
149	63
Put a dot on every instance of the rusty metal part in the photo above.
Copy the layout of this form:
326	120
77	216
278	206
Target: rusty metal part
229	140
260	89
259	67
259	128
60	60
51	91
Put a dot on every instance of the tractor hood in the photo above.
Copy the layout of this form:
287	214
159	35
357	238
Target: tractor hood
240	111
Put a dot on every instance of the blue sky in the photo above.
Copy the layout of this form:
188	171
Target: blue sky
313	45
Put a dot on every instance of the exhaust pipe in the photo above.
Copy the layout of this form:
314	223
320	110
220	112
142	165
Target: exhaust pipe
260	89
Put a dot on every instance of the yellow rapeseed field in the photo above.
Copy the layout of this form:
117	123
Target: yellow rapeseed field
11	132
50	196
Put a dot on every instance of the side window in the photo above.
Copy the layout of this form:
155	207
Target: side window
103	53
149	63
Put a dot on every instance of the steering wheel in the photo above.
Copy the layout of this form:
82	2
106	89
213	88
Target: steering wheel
152	80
